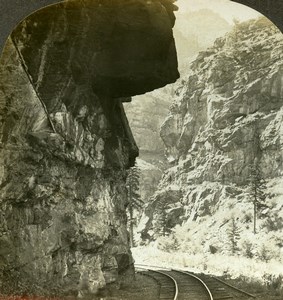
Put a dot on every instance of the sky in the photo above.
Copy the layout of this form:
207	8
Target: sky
227	9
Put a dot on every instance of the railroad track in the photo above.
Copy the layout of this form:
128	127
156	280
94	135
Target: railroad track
181	285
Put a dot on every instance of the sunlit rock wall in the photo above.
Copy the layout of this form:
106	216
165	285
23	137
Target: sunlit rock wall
228	108
227	114
66	143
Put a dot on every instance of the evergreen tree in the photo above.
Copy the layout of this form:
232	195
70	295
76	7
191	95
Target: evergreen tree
233	234
135	203
257	184
257	188
161	222
162	226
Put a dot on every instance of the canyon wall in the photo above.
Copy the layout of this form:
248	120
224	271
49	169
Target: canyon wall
227	116
66	143
193	32
146	114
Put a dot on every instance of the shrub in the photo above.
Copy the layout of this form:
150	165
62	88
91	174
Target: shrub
248	249
168	243
264	253
273	223
274	283
248	217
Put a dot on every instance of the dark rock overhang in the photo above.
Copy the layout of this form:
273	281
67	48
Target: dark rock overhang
122	48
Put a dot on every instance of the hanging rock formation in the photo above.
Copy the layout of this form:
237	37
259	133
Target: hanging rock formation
66	143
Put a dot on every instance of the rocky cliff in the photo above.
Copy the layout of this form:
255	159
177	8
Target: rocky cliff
227	115
66	142
232	93
146	113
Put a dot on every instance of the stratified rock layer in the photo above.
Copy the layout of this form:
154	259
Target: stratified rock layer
66	143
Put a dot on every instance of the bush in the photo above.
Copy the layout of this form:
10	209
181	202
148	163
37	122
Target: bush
264	253
212	249
273	223
248	249
168	243
248	217
274	283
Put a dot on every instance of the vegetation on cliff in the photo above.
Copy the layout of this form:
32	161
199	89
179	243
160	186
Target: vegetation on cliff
227	116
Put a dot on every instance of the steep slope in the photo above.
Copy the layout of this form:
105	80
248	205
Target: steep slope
227	116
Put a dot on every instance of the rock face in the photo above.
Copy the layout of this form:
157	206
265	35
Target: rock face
146	113
227	114
228	100
144	28
66	142
149	177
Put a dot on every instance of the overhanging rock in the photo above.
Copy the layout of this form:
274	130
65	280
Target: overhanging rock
65	142
123	47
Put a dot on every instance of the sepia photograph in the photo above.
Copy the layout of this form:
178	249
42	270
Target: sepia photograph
141	150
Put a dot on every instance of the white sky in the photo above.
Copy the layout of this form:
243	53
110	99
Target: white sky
226	8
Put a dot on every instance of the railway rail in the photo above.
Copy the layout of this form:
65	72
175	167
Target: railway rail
182	285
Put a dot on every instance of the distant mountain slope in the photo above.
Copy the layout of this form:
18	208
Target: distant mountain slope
195	31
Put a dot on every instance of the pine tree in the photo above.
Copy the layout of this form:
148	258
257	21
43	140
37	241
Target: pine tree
233	234
161	222
135	203
257	188
162	226
257	184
